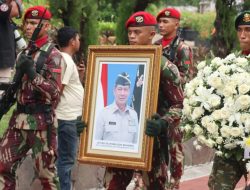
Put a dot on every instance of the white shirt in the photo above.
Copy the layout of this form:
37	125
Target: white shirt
71	101
116	125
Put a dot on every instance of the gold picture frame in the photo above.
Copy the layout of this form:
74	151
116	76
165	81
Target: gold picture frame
141	65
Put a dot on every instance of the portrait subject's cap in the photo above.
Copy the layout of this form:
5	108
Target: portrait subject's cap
242	18
169	13
123	79
141	18
36	12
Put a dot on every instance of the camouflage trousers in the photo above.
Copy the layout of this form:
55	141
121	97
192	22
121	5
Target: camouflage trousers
157	178
119	179
13	149
226	173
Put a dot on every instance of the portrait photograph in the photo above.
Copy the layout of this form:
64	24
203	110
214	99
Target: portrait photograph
121	83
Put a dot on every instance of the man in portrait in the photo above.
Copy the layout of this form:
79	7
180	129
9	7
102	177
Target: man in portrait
118	121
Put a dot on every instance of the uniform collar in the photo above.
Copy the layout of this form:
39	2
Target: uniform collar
41	41
246	52
115	108
166	41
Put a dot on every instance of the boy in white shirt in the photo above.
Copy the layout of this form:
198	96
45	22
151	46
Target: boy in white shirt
69	107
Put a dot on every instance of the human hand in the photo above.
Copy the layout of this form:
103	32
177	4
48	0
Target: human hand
26	65
80	125
155	125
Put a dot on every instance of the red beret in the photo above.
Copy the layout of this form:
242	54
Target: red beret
141	18
36	12
169	13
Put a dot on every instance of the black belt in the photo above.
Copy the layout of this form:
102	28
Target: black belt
33	109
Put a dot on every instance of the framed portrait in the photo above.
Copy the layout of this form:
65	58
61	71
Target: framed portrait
121	93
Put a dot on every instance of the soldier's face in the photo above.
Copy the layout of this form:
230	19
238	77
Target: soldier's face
30	26
168	26
142	35
121	94
243	33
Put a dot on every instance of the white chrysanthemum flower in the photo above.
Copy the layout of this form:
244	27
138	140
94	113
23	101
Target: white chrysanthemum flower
229	90
207	70
201	65
206	120
216	114
236	132
210	143
244	88
248	163
230	58
212	128
201	139
197	113
197	130
218	153
241	61
187	128
225	131
243	101
224	69
225	114
215	81
214	100
217	61
219	140
230	146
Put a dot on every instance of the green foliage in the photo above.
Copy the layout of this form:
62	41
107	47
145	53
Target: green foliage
152	8
225	37
203	23
80	14
125	9
181	2
107	28
107	11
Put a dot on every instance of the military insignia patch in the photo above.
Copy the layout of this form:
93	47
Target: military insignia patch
34	13
167	13
246	17
139	19
4	7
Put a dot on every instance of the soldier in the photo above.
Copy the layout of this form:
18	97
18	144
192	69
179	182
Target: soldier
141	30
174	48
118	121
227	172
8	10
32	124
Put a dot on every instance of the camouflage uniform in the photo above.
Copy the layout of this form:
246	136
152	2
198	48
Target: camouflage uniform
226	173
32	125
181	55
170	102
171	91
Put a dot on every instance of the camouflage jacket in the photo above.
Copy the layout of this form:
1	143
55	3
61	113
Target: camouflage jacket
181	55
43	90
170	91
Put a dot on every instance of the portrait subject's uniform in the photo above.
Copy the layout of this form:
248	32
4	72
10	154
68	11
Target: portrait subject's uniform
115	125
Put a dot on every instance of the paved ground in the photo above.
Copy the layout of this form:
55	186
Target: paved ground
196	178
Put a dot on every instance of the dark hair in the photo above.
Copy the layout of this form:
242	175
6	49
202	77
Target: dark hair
65	34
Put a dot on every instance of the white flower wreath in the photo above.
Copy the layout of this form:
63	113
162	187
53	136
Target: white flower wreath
217	105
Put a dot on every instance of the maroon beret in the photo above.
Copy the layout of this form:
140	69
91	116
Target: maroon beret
169	13
141	18
37	12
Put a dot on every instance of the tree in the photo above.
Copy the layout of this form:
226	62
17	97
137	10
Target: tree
223	41
80	14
